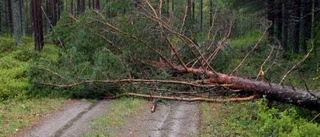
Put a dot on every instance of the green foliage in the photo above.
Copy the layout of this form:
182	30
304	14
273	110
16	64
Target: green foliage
13	65
258	119
86	56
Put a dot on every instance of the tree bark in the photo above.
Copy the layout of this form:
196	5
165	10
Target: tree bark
97	4
278	19
295	28
9	17
285	25
270	16
17	21
37	24
276	92
306	24
1	3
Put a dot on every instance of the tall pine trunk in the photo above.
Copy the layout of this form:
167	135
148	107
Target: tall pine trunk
37	24
306	23
1	17
278	19
295	25
270	16
285	25
98	4
17	21
9	17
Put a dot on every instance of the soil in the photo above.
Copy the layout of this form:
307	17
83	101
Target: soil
171	119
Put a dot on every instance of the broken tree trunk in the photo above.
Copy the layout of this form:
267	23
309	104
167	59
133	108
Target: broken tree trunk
276	92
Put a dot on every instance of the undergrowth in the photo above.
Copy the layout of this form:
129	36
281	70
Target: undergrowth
257	119
18	108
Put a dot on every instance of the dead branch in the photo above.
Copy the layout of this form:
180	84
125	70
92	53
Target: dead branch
252	97
255	46
176	82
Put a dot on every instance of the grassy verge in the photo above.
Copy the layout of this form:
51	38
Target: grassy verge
256	119
119	110
18	114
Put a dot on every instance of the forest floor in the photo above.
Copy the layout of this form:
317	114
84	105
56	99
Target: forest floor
78	117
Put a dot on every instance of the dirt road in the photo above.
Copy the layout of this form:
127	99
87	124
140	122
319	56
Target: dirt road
172	119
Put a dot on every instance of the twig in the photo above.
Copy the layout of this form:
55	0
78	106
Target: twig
264	62
184	18
275	58
314	117
176	53
55	73
224	39
296	65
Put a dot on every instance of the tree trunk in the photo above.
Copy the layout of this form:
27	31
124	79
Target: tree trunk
23	17
83	5
270	16
79	11
9	17
89	4
98	4
276	92
37	24
285	25
316	23
306	24
201	14
17	22
278	19
172	5
295	28
210	12
1	18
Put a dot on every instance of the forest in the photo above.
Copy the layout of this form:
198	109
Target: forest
264	53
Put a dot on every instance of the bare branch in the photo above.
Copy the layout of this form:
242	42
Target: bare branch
296	65
252	97
255	46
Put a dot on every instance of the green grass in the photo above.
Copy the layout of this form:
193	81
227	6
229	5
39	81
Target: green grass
119	110
256	119
18	114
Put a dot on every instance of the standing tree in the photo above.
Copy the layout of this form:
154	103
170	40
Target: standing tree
97	4
295	25
9	17
306	23
17	21
37	24
1	4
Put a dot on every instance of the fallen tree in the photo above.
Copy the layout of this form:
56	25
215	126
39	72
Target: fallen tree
272	91
173	63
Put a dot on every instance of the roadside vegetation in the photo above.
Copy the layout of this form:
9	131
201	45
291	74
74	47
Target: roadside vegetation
18	108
